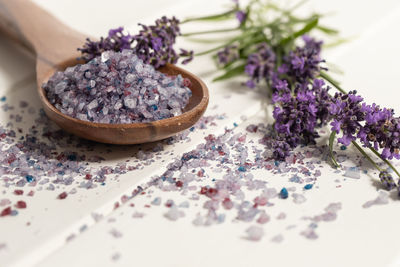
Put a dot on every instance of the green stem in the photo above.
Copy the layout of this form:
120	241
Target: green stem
324	75
211	17
225	44
366	156
213	31
386	161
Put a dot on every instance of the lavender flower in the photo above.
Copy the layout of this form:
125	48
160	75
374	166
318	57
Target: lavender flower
373	126
241	16
280	148
298	114
187	54
348	113
303	63
227	55
260	65
387	180
154	44
116	40
381	130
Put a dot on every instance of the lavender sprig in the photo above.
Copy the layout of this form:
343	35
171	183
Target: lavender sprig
265	52
153	44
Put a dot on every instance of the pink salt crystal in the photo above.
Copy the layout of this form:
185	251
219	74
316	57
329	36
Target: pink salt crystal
227	203
21	204
5	212
263	218
124	198
4	202
63	195
260	201
18	192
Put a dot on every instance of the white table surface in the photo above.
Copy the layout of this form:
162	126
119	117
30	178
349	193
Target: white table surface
358	237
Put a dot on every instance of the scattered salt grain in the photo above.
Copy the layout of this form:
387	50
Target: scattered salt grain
174	213
352	172
254	233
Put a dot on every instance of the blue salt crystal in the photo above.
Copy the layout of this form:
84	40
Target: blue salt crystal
242	169
156	201
3	99
221	218
71	157
284	193
235	124
29	178
308	186
343	147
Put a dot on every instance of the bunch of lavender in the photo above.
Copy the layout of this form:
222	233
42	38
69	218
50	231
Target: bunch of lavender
267	50
153	44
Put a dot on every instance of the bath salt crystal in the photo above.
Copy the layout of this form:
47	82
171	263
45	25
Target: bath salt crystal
298	198
174	213
117	87
254	233
352	172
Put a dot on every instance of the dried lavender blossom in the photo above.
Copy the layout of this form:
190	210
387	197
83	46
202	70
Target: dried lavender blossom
153	44
116	40
297	114
387	180
228	54
303	63
117	87
260	65
373	126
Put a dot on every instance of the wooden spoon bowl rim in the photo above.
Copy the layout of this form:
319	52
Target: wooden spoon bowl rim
187	114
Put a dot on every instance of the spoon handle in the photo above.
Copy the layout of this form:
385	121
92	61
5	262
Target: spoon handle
40	32
33	27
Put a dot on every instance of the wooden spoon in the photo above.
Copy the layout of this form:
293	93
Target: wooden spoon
55	47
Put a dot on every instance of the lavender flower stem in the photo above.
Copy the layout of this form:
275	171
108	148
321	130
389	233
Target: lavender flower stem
385	160
366	156
211	17
225	44
325	76
213	31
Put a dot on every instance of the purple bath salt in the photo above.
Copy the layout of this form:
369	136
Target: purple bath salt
117	87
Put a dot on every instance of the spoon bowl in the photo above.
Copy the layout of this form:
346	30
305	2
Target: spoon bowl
55	48
134	133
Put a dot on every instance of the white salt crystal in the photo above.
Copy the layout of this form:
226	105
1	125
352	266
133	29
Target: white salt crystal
129	78
130	102
93	104
254	233
60	87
